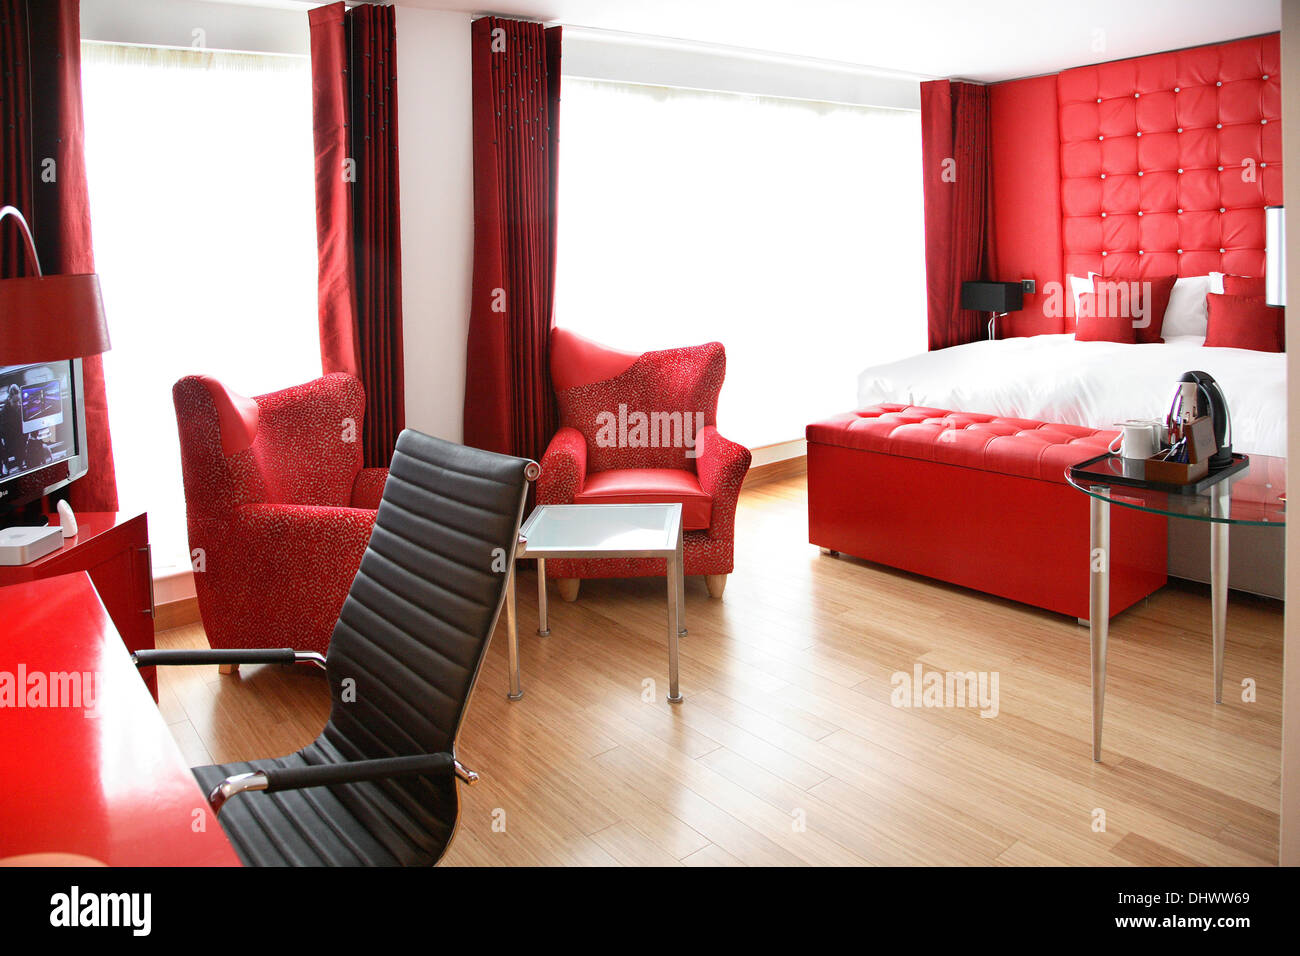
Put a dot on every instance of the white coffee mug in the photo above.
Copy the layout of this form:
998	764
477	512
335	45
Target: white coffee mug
1137	440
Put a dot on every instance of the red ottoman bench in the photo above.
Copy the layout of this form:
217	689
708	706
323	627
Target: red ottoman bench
976	500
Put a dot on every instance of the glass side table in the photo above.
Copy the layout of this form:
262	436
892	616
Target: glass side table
1256	496
601	531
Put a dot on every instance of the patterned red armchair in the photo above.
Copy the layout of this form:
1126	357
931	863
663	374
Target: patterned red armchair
278	506
641	428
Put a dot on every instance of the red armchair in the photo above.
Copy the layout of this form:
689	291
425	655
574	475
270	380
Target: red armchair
641	428
278	505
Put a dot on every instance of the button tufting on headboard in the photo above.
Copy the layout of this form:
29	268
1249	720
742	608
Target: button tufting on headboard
1186	193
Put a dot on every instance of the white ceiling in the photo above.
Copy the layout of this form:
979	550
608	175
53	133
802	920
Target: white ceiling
975	39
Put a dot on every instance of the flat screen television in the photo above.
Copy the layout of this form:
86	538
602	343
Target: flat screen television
42	434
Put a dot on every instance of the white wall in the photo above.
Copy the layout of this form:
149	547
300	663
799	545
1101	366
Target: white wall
1289	850
224	26
626	58
437	190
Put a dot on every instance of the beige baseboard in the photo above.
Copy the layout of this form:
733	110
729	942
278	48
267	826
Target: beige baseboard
776	470
176	614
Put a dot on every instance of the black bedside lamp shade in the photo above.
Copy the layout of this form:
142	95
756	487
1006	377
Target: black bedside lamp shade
992	296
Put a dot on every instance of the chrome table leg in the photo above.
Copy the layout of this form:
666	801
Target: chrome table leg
1219	508
1098	608
681	587
543	625
512	635
674	628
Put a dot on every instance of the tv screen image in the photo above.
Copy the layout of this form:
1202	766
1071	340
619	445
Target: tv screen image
36	417
42	406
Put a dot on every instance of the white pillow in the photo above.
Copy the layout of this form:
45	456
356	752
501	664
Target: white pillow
1187	313
1216	282
1078	286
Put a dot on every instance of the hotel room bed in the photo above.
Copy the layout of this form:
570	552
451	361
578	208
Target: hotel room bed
1096	384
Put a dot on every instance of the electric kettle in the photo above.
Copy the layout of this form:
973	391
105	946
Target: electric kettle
1198	395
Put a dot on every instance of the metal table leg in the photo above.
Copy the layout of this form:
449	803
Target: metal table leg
1098	608
681	587
1219	508
543	625
674	576
512	635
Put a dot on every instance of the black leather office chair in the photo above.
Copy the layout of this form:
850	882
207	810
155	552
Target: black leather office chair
378	786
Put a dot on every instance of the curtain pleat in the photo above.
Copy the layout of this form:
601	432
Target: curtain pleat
955	160
43	174
15	134
354	101
509	401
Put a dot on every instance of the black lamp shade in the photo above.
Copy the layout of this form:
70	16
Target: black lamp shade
992	296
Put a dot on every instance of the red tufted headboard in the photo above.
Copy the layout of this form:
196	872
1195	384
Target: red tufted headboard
1152	151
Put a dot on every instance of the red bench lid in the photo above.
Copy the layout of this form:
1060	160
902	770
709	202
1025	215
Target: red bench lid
996	443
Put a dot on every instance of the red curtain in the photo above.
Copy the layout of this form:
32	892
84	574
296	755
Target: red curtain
955	161
43	173
509	401
358	225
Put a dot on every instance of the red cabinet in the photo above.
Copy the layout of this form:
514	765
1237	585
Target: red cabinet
106	785
114	549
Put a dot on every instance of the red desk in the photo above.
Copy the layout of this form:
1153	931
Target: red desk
114	548
112	787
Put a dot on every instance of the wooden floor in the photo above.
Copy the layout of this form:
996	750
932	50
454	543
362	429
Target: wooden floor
787	749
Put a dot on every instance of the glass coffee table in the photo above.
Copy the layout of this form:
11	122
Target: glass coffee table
601	531
1256	496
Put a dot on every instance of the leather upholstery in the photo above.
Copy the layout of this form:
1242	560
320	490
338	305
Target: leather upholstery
943	493
683	382
1048	160
236	414
650	485
577	360
405	652
278	525
1009	446
1152	153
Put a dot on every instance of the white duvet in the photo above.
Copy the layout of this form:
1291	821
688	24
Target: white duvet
1054	378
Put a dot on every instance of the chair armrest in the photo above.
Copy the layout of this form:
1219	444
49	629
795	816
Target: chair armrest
564	468
368	487
440	765
294	534
721	467
250	655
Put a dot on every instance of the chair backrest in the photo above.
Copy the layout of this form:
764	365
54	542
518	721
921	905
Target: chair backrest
636	411
417	620
300	445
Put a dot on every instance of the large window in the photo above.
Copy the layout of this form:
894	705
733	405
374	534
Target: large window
203	209
789	230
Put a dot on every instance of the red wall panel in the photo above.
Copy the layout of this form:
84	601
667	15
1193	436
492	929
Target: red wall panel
1167	161
1026	238
1135	167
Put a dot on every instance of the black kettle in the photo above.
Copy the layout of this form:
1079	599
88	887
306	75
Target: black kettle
1199	395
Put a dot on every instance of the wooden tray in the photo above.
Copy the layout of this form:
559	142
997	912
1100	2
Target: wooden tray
1134	475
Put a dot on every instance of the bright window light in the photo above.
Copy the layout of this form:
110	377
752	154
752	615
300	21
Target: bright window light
203	211
791	231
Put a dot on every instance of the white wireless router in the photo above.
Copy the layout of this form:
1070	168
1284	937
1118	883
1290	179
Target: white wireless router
25	545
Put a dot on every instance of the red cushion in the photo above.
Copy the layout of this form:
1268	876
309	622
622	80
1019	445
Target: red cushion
1094	326
1244	322
576	360
1009	446
236	416
627	486
1127	294
1243	285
